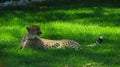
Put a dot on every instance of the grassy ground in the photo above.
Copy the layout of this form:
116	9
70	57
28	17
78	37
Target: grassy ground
82	21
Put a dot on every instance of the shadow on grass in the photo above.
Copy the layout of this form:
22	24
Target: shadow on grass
70	3
26	17
49	13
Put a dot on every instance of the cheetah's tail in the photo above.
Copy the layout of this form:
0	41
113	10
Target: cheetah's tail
97	42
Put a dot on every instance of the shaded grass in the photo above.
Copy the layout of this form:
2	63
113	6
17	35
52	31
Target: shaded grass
83	22
95	15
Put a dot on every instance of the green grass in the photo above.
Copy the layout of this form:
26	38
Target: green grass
82	21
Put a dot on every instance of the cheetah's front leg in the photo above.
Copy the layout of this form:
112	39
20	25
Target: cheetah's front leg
24	44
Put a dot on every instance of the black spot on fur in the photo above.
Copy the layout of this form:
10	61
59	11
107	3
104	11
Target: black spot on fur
56	44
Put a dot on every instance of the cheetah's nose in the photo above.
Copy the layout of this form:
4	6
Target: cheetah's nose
39	33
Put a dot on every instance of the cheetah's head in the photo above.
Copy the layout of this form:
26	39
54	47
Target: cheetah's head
34	31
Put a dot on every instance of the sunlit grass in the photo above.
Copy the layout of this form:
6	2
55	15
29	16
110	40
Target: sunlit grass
82	24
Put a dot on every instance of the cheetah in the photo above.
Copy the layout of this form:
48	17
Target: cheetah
32	39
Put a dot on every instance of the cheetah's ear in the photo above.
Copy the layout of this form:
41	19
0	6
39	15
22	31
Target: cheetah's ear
28	28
